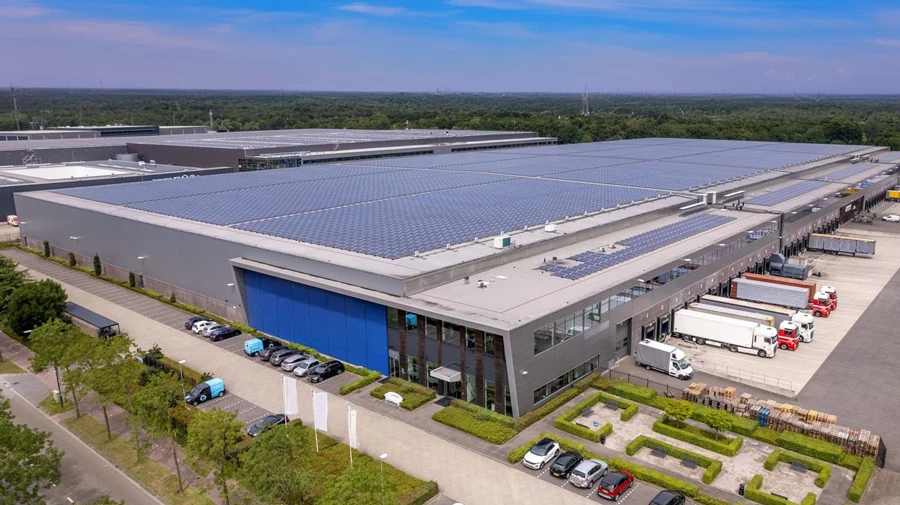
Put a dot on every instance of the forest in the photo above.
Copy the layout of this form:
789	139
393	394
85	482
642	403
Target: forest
867	119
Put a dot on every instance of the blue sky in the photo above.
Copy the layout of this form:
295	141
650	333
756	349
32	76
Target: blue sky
655	46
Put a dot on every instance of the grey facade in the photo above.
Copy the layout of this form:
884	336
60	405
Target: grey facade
206	266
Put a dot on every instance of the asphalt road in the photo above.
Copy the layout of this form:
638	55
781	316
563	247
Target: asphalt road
85	474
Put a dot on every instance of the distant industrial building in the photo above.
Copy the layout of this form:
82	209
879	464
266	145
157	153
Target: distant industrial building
91	132
499	277
96	173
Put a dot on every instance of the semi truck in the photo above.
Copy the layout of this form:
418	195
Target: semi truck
665	358
732	334
815	291
777	294
804	321
788	332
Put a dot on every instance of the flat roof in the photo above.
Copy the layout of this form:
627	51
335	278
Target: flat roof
50	172
88	316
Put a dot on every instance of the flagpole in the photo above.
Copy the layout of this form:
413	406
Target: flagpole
349	427
315	431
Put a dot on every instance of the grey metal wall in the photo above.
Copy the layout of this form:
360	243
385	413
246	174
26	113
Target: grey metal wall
203	157
64	155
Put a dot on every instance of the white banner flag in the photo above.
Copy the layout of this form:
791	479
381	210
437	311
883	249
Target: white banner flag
320	410
291	403
351	427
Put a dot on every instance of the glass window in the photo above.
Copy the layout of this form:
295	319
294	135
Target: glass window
507	404
432	382
431	328
489	343
489	395
543	339
392	318
451	333
412	369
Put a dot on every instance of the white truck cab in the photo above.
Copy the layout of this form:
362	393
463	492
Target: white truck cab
806	324
665	358
766	339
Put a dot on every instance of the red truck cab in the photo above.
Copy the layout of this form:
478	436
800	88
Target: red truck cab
821	305
789	336
832	293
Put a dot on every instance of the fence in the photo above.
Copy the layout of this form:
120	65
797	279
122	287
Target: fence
772	384
665	389
159	365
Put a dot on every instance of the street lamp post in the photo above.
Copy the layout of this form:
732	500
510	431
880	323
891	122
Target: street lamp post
381	458
181	372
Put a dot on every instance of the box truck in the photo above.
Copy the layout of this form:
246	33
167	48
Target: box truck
732	334
788	333
782	315
665	358
777	294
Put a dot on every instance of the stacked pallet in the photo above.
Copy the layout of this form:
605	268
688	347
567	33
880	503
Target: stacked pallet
694	392
728	393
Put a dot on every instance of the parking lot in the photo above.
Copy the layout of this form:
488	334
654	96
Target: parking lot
247	413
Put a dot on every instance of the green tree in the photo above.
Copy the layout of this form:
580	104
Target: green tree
58	344
98	267
153	404
11	279
211	439
113	372
46	249
72	261
360	485
131	279
29	462
35	303
718	420
294	482
679	410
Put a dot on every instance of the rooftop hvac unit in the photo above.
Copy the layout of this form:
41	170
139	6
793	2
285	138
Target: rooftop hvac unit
550	228
502	241
710	197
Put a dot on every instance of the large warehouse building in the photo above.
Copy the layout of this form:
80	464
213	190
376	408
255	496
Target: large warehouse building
499	276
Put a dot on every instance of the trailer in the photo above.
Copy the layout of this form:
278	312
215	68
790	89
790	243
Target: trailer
743	315
809	286
841	244
766	292
732	334
665	358
803	319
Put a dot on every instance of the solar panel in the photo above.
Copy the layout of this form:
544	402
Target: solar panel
591	262
849	171
784	194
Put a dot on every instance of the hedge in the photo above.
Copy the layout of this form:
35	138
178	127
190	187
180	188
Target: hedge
823	469
369	376
850	461
712	466
705	499
861	481
580	386
752	492
744	426
486	414
414	395
467	422
564	422
630	391
655	477
808	446
691	435
766	435
430	491
519	453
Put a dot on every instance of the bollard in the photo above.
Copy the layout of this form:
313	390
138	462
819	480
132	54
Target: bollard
741	489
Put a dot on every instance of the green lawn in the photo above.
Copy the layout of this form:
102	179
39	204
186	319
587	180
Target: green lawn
120	452
51	406
414	395
8	367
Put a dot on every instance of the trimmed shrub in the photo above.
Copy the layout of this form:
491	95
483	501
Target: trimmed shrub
465	421
131	280
655	477
564	422
630	391
744	426
484	413
518	454
558	401
823	469
850	461
46	249
752	492
712	466
767	435
367	378
98	267
808	446
694	435
429	491
809	499
414	395
705	499
72	261
629	411
861	480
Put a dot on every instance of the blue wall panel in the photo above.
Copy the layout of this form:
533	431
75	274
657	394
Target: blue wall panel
339	326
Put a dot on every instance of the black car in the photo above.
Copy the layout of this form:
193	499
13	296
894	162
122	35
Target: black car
223	333
269	351
667	497
565	463
265	423
269	342
326	371
276	358
190	322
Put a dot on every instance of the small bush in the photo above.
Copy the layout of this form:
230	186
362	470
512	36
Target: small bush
705	499
744	426
767	435
72	261
429	491
823	469
809	499
98	267
539	413
46	249
712	466
808	446
850	461
156	352
630	391
172	298
414	395
861	480
752	492
698	437
655	477
367	378
131	280
466	421
629	412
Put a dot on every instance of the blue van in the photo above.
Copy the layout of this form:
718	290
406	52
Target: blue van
212	388
255	346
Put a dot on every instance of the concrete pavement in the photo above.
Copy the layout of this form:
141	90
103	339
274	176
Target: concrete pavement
85	474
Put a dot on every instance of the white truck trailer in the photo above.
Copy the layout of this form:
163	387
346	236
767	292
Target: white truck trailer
665	358
803	320
743	315
732	334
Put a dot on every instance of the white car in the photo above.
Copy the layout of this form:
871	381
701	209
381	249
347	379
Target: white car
305	367
541	453
200	325
891	218
207	331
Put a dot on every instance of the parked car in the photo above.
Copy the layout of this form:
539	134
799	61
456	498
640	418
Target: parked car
667	497
587	473
190	322
541	453
269	351
207	331
613	484
255	346
213	388
266	423
565	463
306	366
891	218
223	333
326	371
200	325
278	358
291	362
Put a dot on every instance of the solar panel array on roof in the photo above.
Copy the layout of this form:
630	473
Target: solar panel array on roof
591	262
849	171
786	193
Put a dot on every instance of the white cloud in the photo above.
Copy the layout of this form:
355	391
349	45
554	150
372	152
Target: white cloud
888	42
23	11
487	4
373	10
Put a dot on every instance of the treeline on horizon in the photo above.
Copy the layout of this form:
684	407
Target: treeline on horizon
807	118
